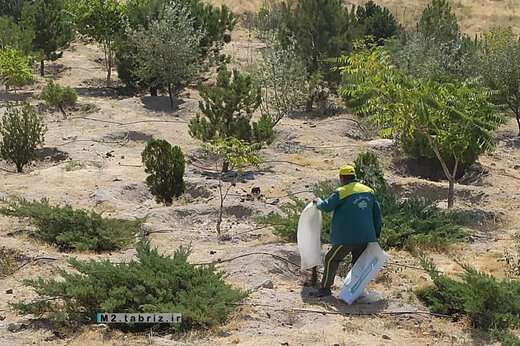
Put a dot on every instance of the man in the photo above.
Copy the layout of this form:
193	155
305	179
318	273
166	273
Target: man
356	221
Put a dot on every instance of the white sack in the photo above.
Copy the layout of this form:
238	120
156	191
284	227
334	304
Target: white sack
309	233
366	268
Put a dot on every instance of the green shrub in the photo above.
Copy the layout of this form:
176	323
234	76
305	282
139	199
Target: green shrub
60	97
165	164
15	68
490	303
407	223
21	131
152	283
262	130
73	229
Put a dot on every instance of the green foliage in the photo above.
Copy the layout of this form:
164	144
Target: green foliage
15	69
377	21
409	223
175	43
438	22
501	67
262	130
13	36
211	23
101	21
11	8
226	107
490	303
21	131
57	96
74	229
281	77
456	119
165	164
151	283
51	25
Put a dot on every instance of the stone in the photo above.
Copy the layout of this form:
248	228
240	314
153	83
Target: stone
266	284
9	291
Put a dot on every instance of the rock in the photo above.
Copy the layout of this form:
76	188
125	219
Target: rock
266	284
212	252
15	327
2	318
381	144
9	291
223	334
386	337
516	167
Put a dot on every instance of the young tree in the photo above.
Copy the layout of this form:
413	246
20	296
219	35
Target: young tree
501	67
165	164
281	76
60	97
52	27
15	69
21	131
226	107
456	120
233	154
377	21
11	8
102	21
438	22
174	43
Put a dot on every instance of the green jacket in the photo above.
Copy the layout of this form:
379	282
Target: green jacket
356	215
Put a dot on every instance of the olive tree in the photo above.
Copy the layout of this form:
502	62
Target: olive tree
167	50
501	67
21	131
456	120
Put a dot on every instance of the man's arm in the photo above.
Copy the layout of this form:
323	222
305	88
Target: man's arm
329	204
378	222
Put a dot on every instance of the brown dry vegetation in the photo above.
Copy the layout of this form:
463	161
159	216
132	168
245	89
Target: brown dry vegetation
115	185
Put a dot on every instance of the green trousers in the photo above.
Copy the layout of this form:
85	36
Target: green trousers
332	259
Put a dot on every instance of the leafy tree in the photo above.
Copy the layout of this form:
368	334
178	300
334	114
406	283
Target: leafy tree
281	76
21	130
456	120
501	67
165	164
149	283
15	69
52	27
377	21
102	21
438	22
74	229
226	107
175	43
13	36
232	154
11	8
60	97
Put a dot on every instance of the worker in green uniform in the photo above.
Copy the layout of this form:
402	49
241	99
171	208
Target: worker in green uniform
356	221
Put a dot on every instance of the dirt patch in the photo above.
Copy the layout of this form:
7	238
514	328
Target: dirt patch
424	168
133	136
51	154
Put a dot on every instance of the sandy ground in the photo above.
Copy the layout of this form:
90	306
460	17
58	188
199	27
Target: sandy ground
108	177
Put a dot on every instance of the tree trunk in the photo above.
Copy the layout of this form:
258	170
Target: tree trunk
153	91
451	192
109	72
42	68
518	122
19	167
225	167
171	95
63	111
309	103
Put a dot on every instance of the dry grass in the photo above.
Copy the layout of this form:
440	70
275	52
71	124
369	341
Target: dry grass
475	16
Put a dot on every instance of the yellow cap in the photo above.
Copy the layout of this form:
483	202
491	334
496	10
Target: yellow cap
347	170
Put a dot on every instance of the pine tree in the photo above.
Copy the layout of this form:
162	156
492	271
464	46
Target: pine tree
226	107
52	27
438	22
